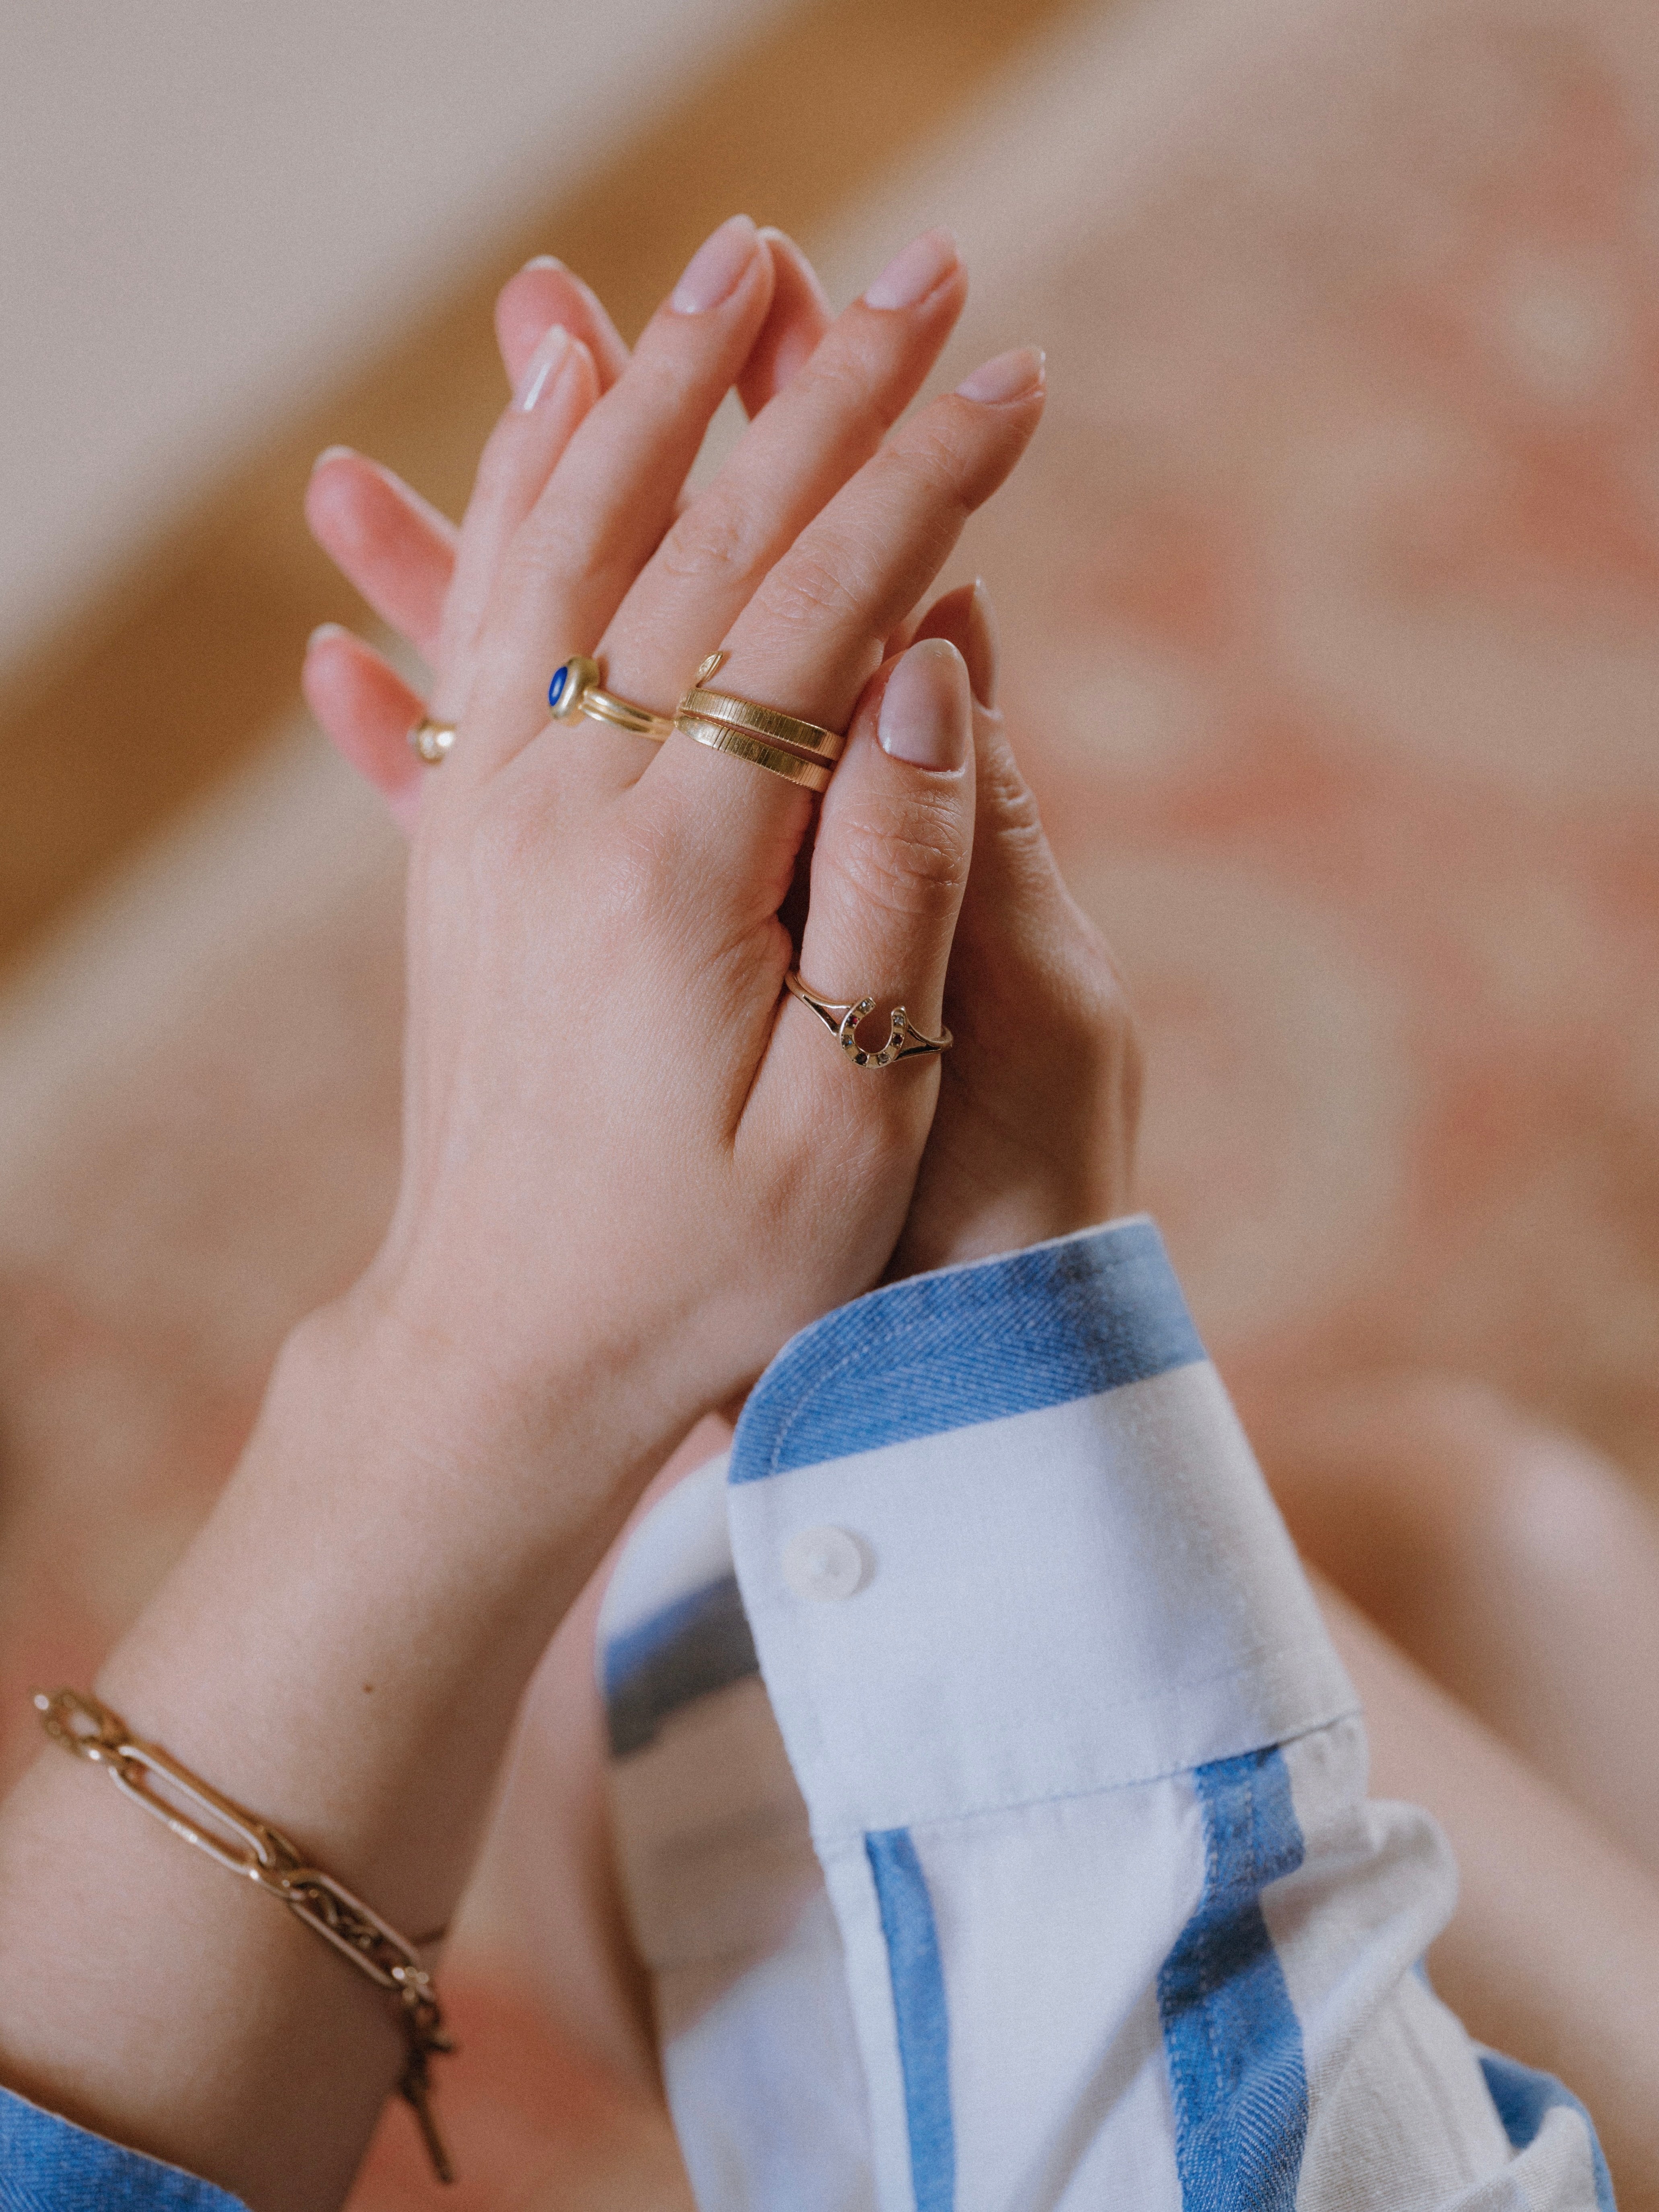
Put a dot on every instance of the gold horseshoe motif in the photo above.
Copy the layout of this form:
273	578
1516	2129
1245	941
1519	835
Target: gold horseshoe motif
898	1023
904	1040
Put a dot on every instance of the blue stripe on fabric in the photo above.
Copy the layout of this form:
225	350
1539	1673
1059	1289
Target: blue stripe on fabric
50	2165
695	1646
1231	2039
924	2028
1523	2098
938	1352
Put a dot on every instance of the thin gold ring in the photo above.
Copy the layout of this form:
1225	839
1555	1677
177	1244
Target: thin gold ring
793	767
769	723
841	1019
576	689
432	741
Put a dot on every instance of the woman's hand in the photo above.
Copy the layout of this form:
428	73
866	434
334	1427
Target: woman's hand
1033	1135
623	1158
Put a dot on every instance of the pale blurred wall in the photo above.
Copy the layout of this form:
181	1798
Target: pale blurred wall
209	209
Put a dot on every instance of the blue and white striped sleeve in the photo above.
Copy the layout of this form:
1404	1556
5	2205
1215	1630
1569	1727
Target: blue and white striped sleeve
991	1802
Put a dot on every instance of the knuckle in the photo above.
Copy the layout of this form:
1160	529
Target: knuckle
910	863
930	462
714	542
815	585
840	381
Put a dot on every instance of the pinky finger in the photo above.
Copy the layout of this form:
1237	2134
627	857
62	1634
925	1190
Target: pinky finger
367	711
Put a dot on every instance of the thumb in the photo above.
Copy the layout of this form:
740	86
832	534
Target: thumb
890	859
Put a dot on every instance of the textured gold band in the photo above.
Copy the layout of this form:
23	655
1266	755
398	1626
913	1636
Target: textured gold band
432	741
721	737
763	722
770	724
841	1019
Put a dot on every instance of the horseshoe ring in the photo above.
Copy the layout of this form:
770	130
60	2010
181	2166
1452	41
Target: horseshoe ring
841	1019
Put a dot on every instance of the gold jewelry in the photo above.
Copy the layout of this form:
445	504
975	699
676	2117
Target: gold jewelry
81	1725
575	690
904	1040
767	722
432	741
794	768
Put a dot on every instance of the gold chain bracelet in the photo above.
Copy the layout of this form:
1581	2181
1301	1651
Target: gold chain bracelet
265	1856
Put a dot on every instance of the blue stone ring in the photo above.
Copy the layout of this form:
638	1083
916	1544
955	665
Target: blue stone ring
575	689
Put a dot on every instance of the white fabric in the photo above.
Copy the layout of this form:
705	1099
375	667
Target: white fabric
1142	1940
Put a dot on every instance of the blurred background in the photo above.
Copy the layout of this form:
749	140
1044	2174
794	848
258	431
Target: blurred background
1329	597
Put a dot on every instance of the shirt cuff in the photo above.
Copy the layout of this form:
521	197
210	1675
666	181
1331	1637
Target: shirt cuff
1000	1539
48	2164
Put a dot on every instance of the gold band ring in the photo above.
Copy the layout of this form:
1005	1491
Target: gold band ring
767	723
793	767
575	689
432	741
904	1040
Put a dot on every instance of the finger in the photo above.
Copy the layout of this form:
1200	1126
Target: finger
797	454
889	867
386	539
965	616
545	292
1015	887
813	633
798	317
367	711
559	386
605	509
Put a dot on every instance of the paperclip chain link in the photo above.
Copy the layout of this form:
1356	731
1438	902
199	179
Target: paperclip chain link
92	1731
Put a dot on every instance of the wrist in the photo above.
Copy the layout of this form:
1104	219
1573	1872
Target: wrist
344	1645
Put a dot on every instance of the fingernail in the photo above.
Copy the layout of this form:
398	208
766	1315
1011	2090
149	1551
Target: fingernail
921	268
980	648
714	271
541	367
925	708
1009	376
542	261
325	630
333	454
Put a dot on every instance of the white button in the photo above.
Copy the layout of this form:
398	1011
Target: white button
824	1563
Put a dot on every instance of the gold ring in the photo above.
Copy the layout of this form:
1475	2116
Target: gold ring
575	689
432	741
794	768
904	1040
764	722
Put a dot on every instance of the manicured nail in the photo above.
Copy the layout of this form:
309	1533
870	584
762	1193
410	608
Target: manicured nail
333	454
542	366
325	630
925	710
714	271
979	650
1009	376
921	268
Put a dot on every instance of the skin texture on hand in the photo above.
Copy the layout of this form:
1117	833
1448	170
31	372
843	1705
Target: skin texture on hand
1034	1133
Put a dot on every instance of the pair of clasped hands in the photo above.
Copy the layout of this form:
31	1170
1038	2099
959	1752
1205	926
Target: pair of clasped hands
620	1136
633	1166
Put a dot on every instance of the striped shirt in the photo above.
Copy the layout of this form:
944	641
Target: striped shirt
991	1802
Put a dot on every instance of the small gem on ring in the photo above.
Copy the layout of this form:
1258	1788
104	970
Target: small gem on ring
556	689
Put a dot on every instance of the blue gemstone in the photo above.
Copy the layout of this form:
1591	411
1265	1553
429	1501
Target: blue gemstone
556	689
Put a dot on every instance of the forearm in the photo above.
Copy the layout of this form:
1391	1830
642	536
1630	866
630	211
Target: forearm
341	1650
